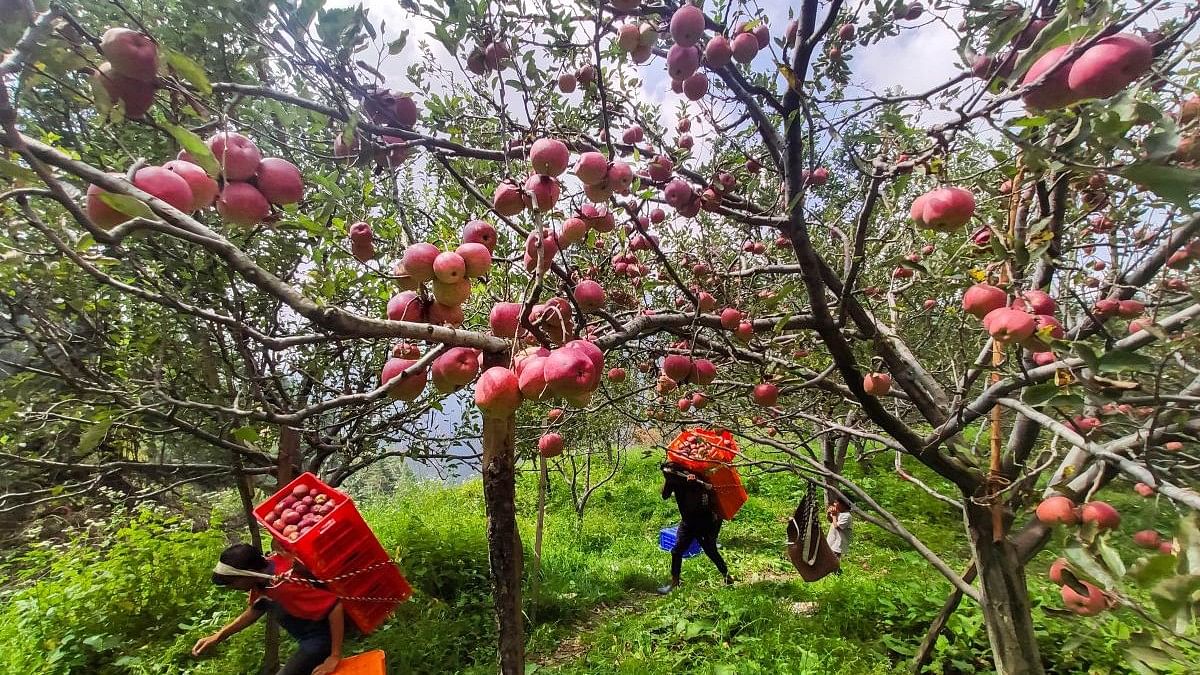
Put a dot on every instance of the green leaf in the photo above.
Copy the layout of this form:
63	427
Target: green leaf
1084	562
299	20
1173	183
197	148
1117	361
1112	559
1040	393
246	434
189	70
1148	571
1164	142
1088	355
1154	658
396	46
1047	39
130	206
1173	598
10	169
93	436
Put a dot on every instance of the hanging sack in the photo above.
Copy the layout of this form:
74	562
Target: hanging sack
806	545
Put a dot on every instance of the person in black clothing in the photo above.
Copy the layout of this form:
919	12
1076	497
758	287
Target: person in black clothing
698	522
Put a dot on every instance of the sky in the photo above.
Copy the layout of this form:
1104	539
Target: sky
913	61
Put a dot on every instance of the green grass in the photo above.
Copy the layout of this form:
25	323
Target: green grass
89	608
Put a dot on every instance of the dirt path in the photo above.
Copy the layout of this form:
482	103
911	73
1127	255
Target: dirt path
572	648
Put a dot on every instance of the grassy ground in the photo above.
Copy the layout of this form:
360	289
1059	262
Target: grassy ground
89	609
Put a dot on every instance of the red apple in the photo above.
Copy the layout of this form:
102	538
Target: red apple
411	386
1089	605
132	54
455	368
480	232
504	317
406	306
877	384
243	204
981	299
1110	65
765	394
279	181
418	261
204	188
1147	539
238	156
550	445
497	393
1056	510
136	95
1103	515
1009	325
944	209
549	156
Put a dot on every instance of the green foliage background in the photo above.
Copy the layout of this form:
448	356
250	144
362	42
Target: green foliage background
132	594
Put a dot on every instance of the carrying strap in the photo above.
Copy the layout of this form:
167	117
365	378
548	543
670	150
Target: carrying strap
275	580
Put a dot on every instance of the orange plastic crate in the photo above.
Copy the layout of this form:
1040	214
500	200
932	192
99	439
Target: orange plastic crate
725	449
728	493
341	543
368	663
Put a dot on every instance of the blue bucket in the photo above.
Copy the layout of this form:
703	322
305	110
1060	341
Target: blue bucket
666	541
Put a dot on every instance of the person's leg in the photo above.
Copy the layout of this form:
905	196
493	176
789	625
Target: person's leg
304	660
708	542
684	537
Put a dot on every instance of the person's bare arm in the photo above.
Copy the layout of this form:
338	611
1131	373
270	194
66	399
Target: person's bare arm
243	620
337	631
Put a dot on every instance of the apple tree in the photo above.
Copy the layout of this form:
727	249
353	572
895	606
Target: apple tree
232	224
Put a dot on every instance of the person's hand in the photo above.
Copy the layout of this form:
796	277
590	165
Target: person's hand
205	643
328	666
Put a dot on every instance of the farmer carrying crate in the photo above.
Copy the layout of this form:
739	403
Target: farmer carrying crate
698	521
313	616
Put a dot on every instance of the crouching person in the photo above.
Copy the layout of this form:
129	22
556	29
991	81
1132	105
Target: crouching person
313	616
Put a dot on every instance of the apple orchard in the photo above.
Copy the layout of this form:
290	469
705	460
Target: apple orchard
236	247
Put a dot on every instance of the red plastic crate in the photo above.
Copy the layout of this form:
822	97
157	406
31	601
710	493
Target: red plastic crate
725	449
728	493
380	591
339	544
367	663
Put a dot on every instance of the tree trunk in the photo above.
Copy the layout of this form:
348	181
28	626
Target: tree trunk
504	541
1005	603
287	458
543	478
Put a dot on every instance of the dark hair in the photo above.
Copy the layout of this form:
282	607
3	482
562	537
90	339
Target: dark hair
843	503
242	556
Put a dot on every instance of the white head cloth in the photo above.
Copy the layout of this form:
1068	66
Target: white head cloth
230	571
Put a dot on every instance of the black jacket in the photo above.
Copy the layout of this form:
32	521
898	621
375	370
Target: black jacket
692	493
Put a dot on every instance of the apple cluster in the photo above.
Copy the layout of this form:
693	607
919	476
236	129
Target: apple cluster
296	514
250	184
1101	71
1061	510
128	76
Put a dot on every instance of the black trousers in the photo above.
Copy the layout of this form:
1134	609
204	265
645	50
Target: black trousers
704	532
304	660
315	644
